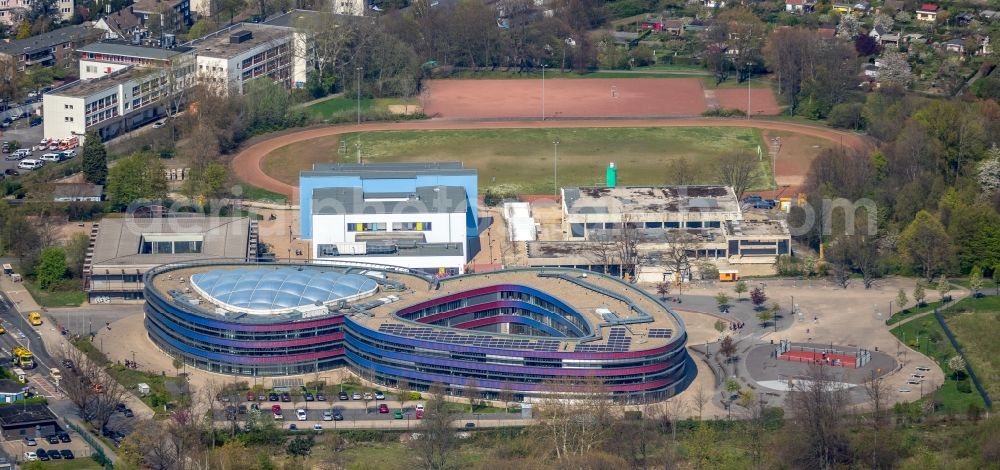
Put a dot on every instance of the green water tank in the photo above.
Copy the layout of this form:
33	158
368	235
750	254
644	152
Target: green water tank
612	175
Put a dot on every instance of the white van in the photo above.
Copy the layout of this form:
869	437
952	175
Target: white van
52	157
30	164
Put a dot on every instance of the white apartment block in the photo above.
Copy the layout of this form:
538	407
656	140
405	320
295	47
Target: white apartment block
11	11
233	56
115	103
104	58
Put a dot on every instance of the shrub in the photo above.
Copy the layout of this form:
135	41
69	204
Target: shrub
847	116
412	396
964	386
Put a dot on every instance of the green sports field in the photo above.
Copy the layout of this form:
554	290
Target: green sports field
523	158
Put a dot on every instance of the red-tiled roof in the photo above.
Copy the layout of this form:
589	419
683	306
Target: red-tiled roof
928	7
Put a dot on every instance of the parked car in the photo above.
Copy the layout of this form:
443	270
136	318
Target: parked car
52	439
67	454
30	164
52	157
64	438
128	413
35	121
308	397
5	147
320	397
30	457
11	172
383	409
120	407
42	455
317	427
30	441
285	397
55	455
355	396
292	427
398	414
379	395
69	153
272	397
327	415
369	396
342	396
337	416
300	414
159	124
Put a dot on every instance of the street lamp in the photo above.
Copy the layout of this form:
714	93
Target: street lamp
555	167
357	84
543	90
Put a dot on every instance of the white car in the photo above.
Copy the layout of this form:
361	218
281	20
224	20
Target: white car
317	427
327	415
300	414
914	381
355	396
159	124
30	164
69	153
30	456
368	396
420	407
52	157
924	369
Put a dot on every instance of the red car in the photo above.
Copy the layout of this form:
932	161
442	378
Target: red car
251	396
383	409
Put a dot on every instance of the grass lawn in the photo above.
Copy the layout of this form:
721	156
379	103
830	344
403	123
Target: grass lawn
522	158
926	336
975	323
129	378
75	464
325	109
901	315
69	295
259	194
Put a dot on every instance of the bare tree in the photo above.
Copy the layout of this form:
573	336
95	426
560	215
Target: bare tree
878	392
738	171
471	393
626	245
92	389
817	437
575	416
437	438
681	172
604	251
700	400
680	244
507	395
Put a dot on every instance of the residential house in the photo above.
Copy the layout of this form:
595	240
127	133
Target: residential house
713	3
989	15
876	33
695	26
965	18
12	10
927	12
955	45
861	8
47	49
122	24
984	45
11	391
673	27
871	70
168	16
883	37
914	37
77	192
655	24
800	6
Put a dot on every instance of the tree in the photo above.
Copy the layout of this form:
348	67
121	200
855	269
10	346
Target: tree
957	365
10	80
737	170
728	348
722	299
894	69
679	244
740	288
52	267
22	238
765	316
976	279
919	295
943	286
437	438
700	399
301	446
848	26
989	171
885	22
76	253
471	393
507	395
758	297
817	437
865	45
663	290
925	243
625	245
135	178
719	326
94	159
575	416
680	172
901	299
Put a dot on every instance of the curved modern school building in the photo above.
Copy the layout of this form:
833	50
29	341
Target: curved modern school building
529	331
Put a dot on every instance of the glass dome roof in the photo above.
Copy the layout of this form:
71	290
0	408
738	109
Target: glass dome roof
282	289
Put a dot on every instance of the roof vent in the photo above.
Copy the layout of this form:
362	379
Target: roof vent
240	37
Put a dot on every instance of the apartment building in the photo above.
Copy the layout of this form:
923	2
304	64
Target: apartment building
106	57
230	58
47	49
11	11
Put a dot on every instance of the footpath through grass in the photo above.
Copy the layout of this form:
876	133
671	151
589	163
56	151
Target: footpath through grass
523	158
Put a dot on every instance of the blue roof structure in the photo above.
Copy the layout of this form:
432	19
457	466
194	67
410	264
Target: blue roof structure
282	289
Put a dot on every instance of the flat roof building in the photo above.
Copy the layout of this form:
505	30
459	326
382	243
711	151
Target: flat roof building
123	249
233	56
47	48
103	58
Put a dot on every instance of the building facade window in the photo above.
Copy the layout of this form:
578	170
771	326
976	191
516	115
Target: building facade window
411	226
366	227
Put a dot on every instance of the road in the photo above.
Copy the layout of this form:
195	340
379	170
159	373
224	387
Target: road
247	165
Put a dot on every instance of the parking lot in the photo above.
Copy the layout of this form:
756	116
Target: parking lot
18	447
